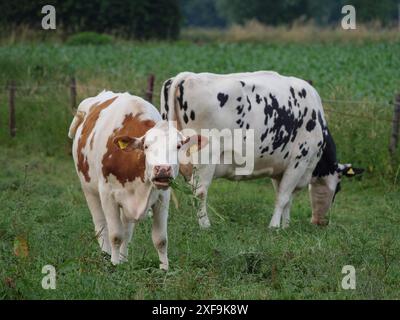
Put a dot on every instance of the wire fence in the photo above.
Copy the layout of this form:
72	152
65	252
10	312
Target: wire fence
375	102
358	115
73	87
58	86
151	85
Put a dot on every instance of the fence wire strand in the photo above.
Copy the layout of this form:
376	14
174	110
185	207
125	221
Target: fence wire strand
325	101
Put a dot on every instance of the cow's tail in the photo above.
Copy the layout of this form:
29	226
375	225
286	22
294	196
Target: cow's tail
168	95
76	122
164	106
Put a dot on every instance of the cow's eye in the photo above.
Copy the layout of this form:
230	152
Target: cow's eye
146	147
178	146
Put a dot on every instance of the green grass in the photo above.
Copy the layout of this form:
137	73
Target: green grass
41	200
89	38
365	73
239	258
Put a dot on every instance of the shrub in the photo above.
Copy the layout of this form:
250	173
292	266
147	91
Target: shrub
140	19
89	38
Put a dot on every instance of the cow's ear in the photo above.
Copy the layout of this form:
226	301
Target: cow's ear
352	172
128	144
349	171
195	143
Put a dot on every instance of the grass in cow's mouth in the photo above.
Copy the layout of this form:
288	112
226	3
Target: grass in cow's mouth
180	186
184	188
189	192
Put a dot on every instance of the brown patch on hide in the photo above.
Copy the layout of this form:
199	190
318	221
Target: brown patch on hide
88	126
126	166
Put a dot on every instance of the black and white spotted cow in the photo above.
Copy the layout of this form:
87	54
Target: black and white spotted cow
292	143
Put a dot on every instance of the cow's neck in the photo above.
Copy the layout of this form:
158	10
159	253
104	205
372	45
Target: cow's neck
136	204
327	165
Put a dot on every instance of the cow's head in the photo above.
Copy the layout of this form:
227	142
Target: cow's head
161	146
323	191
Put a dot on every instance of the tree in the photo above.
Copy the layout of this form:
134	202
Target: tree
286	11
384	11
324	13
141	19
265	11
201	13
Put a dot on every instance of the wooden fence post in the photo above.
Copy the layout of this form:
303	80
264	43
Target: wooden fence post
11	89
150	88
73	93
395	127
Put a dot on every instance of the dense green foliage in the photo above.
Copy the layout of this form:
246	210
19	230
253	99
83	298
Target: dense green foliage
286	11
88	38
43	204
140	19
202	13
143	19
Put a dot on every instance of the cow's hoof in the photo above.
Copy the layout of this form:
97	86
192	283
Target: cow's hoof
105	249
106	254
123	259
274	227
204	223
164	267
115	261
320	222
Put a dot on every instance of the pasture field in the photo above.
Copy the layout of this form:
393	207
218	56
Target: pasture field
45	220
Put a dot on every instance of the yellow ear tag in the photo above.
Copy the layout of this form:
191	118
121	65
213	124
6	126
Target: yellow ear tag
194	148
351	172
122	145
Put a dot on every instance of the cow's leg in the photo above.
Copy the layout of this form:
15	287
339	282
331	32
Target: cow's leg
286	210
114	223
159	231
286	213
99	220
128	232
201	181
287	185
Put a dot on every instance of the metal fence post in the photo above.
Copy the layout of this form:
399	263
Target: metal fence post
395	127
73	93
11	97
150	88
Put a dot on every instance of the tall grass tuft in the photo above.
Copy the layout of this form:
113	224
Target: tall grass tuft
299	32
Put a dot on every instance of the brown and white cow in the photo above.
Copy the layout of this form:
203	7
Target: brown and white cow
123	155
283	126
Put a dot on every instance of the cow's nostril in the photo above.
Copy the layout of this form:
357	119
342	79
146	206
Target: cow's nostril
162	170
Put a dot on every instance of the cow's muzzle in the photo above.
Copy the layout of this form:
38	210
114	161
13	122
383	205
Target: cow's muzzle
162	177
